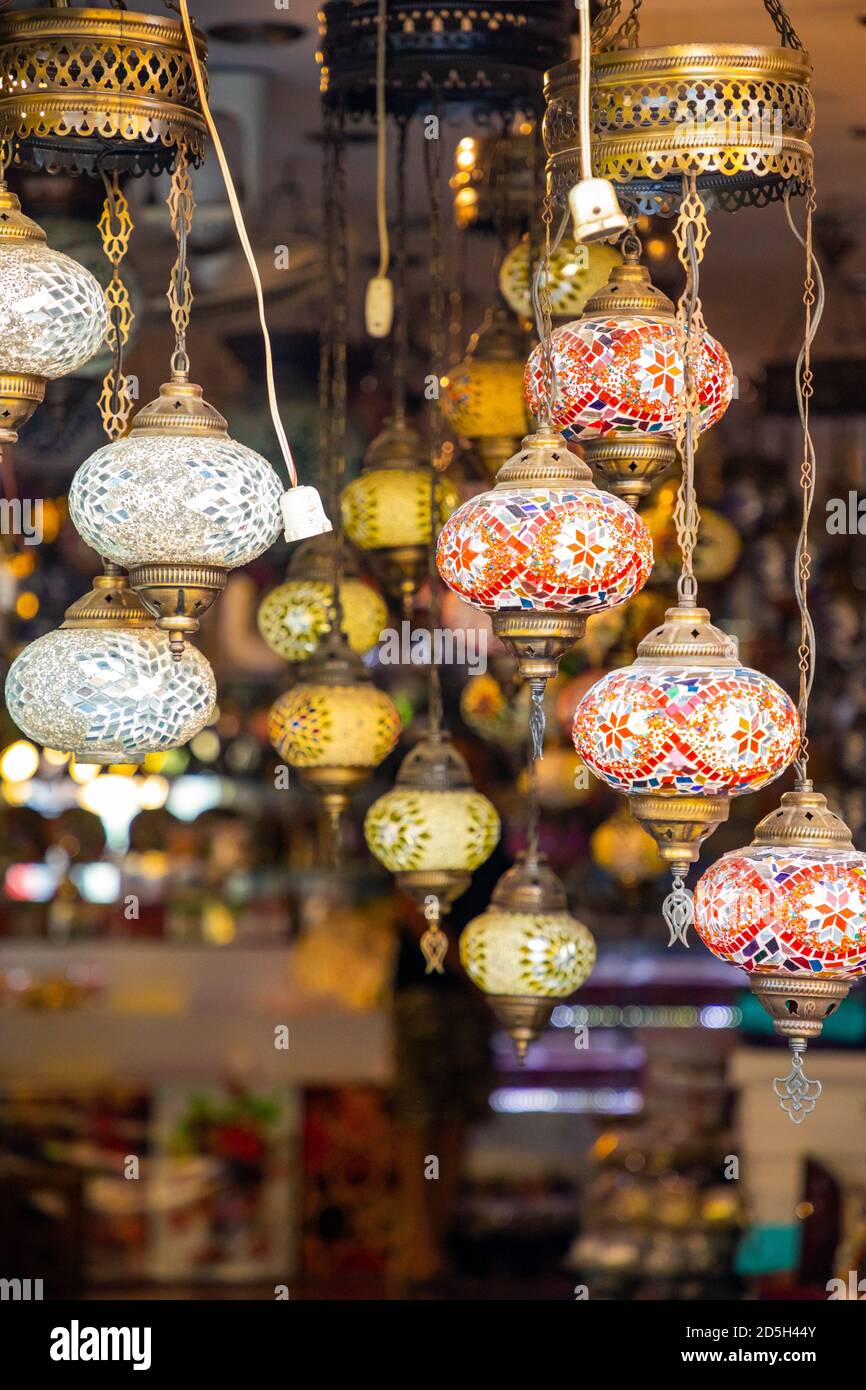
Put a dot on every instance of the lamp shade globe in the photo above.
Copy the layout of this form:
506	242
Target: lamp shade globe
790	910
294	617
334	726
545	538
53	315
527	950
483	394
105	686
620	367
577	271
433	829
388	510
178	503
686	717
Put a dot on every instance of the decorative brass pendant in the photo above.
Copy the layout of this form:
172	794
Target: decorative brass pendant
643	142
86	90
110	602
523	1019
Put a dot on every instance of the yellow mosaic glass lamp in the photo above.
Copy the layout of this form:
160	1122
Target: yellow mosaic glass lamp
386	510
433	830
335	726
295	616
483	394
526	951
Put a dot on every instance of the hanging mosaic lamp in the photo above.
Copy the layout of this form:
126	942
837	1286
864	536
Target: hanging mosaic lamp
483	396
178	504
527	952
104	686
335	726
387	509
576	272
433	830
53	316
295	616
681	731
618	376
541	551
791	911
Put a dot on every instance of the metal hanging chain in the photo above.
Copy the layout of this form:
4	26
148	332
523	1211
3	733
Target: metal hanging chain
115	229
813	303
628	33
692	232
433	170
181	206
400	350
326	338
781	19
533	809
542	306
339	351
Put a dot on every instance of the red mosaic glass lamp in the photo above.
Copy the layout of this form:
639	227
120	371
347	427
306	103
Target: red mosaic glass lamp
541	551
619	373
790	909
683	729
687	726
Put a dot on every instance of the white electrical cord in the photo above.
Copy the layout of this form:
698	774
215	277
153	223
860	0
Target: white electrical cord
584	89
234	203
382	143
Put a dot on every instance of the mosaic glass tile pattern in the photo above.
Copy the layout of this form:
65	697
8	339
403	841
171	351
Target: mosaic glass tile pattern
576	272
53	316
388	507
91	692
626	375
294	617
167	499
689	729
334	725
550	548
484	399
410	830
546	955
784	909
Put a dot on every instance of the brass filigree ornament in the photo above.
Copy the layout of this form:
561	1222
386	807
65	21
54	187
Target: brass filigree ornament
115	228
491	56
739	116
107	93
87	91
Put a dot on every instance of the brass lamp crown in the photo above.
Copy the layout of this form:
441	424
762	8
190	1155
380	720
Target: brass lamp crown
109	603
